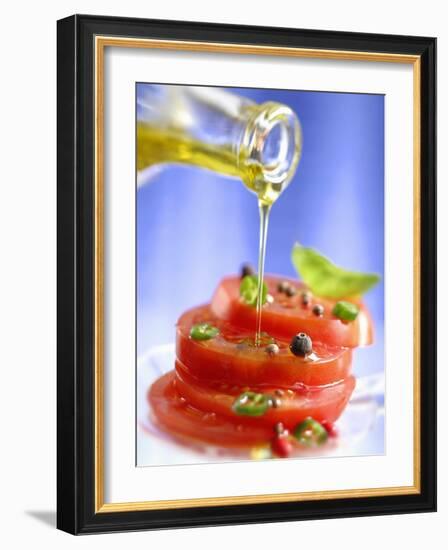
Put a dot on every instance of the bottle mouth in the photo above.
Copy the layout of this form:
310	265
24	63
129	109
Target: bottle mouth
274	143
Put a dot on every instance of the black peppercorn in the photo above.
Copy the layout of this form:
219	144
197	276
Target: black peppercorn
276	402
301	345
247	269
318	310
283	286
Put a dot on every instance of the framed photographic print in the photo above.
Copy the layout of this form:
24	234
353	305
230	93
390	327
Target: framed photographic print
246	274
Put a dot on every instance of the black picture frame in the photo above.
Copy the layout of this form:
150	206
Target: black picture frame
76	264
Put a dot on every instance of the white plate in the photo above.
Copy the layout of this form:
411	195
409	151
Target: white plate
360	426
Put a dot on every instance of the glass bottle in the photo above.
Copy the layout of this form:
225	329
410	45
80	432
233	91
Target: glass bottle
217	130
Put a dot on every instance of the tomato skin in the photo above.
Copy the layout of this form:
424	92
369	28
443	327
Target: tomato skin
174	415
285	317
194	402
221	359
321	403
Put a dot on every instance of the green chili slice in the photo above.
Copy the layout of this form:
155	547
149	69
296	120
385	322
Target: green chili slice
203	331
346	311
249	290
251	404
310	432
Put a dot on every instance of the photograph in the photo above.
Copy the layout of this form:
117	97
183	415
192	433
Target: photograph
220	284
246	274
259	274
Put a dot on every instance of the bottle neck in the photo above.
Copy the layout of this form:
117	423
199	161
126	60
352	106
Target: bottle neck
270	149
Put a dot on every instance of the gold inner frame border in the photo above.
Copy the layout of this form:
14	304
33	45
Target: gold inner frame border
101	42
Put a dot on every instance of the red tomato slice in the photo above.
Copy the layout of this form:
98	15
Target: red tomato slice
287	316
319	402
175	416
173	412
231	357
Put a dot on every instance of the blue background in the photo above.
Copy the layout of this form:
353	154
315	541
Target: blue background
195	226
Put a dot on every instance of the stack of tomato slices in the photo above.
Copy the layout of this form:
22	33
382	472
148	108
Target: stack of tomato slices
197	400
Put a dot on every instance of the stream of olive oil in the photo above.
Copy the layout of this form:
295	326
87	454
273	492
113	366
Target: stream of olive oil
264	221
157	146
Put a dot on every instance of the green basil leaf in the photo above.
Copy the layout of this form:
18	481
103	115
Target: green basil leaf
327	279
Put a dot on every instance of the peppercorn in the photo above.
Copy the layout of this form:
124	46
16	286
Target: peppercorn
247	269
272	349
275	402
283	286
330	428
290	291
281	446
279	428
301	345
306	298
318	310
